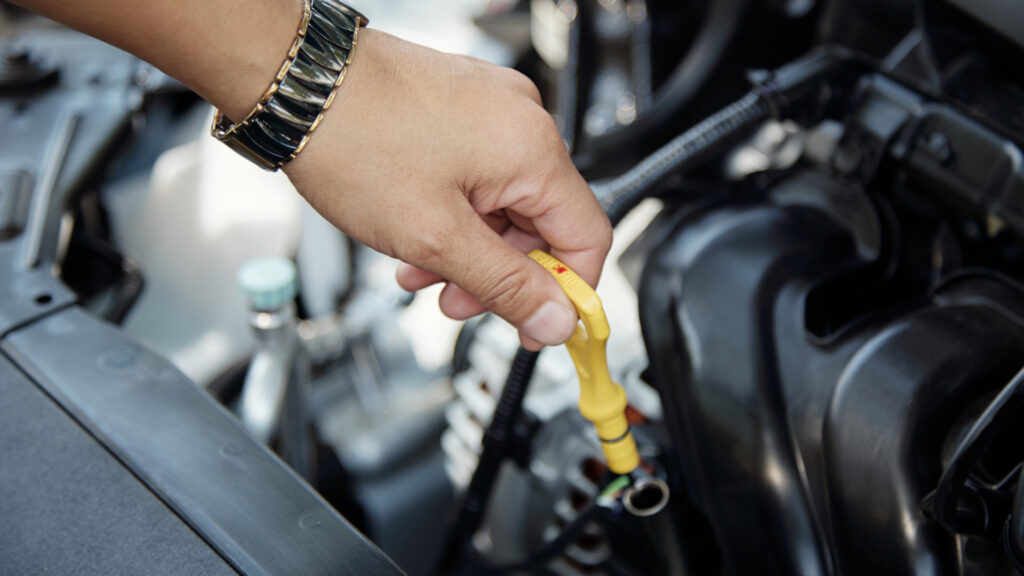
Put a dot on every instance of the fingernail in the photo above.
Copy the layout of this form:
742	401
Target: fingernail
551	325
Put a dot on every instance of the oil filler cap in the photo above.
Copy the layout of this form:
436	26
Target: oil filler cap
268	283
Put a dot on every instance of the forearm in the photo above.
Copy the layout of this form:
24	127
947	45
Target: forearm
226	50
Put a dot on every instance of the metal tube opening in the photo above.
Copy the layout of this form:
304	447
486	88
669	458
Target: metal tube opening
646	497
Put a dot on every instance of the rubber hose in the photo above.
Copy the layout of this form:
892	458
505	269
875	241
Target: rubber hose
496	445
718	34
687	150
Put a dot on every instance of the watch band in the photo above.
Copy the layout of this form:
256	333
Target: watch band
279	126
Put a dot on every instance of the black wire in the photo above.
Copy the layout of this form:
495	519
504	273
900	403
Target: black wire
496	443
686	151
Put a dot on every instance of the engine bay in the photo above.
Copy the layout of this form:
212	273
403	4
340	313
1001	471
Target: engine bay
815	299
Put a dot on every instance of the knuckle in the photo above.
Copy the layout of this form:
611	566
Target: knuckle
543	133
429	247
545	123
523	83
506	290
552	136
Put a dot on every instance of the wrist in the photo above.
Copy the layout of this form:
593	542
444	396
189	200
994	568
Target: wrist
247	56
338	135
292	107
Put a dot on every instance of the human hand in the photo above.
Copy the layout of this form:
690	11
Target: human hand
452	165
445	162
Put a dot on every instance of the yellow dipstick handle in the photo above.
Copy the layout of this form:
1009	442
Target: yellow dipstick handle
602	401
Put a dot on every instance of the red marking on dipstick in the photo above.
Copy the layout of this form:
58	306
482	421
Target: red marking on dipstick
560	269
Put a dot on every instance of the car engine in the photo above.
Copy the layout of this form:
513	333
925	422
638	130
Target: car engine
815	293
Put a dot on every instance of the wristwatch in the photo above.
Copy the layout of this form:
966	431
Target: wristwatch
279	126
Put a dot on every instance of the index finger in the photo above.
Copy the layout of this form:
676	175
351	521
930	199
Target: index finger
569	218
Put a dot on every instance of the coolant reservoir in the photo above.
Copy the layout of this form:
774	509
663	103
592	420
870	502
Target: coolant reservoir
200	214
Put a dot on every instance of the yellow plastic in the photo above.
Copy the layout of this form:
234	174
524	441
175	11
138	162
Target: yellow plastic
602	401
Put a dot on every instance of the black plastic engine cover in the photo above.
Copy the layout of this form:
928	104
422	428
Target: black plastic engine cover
809	436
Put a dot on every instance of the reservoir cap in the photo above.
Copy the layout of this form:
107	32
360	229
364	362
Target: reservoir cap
268	283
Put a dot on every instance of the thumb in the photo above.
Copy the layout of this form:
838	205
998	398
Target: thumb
509	284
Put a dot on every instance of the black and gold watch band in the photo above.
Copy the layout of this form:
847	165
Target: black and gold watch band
292	107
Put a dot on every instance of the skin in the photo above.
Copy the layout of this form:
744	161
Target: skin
445	162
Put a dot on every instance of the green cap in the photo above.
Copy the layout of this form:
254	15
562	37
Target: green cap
268	283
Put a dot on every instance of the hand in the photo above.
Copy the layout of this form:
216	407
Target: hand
445	162
452	165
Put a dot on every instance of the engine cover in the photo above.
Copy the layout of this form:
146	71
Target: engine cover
809	415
